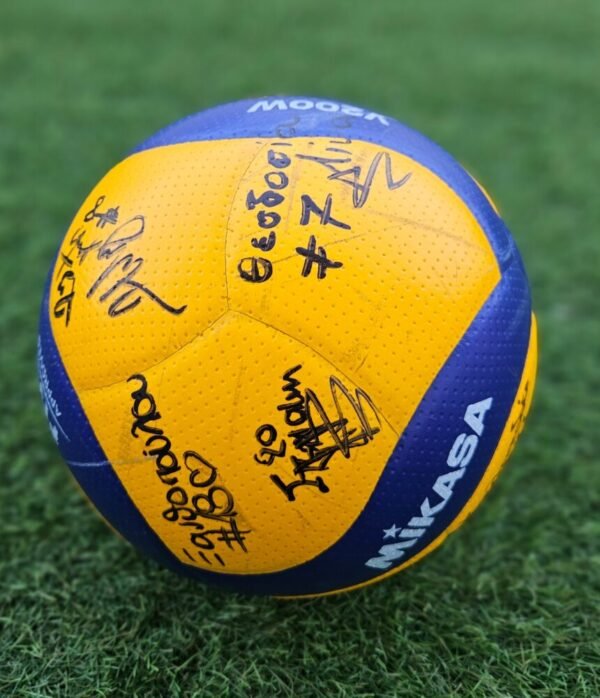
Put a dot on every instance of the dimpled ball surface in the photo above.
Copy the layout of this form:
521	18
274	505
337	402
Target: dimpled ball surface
286	346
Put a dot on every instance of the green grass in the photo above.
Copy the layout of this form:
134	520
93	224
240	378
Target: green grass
509	606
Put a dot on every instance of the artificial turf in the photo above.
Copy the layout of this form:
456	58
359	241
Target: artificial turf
509	606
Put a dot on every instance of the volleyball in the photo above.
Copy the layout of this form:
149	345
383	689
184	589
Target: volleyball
286	346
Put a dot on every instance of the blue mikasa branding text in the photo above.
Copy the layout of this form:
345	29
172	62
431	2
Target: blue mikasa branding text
319	105
460	455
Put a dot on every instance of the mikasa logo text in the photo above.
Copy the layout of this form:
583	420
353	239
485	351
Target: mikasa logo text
460	455
319	105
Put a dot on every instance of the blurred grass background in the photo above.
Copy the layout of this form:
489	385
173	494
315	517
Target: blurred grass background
509	606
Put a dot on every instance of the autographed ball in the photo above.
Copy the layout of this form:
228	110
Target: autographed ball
286	346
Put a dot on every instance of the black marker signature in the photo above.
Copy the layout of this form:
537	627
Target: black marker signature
343	169
102	218
319	257
195	501
117	283
518	424
318	437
